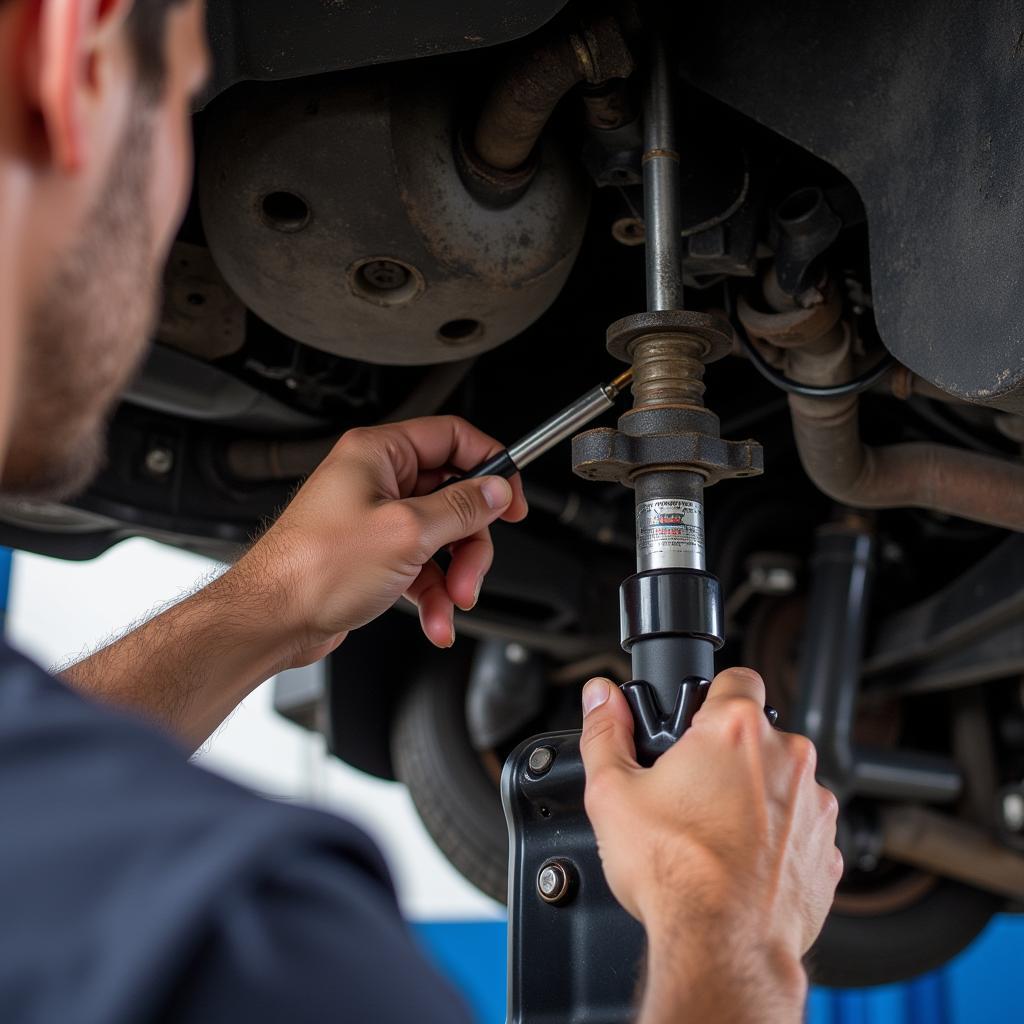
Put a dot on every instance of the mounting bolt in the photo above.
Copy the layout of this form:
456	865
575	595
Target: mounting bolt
1013	811
541	759
554	881
159	461
386	275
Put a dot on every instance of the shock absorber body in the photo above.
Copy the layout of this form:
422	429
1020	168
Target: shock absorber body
668	449
574	953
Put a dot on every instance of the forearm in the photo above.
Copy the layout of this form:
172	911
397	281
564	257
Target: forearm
187	668
718	986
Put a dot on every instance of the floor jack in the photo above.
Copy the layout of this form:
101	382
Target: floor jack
574	953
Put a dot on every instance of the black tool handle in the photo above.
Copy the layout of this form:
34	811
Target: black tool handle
497	465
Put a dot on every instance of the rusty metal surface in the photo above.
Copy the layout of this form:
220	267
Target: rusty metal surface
951	847
667	370
371	157
608	106
200	313
610	455
713	332
926	475
668	428
520	105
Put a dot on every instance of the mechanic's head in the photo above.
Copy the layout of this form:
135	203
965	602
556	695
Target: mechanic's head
95	165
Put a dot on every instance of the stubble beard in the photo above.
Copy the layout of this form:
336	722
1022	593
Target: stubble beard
87	334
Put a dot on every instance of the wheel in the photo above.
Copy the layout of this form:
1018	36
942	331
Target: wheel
454	787
891	924
856	950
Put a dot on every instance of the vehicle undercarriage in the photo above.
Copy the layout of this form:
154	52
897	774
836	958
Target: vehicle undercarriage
440	212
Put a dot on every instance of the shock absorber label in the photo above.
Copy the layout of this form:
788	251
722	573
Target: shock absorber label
670	534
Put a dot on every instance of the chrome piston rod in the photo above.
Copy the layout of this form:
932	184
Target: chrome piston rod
669	505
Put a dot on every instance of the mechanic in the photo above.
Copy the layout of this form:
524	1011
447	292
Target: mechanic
135	886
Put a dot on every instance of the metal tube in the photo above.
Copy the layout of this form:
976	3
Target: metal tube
669	521
661	187
830	668
950	847
669	506
563	424
917	474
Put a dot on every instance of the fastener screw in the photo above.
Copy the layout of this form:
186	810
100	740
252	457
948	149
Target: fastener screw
159	461
541	759
384	274
553	882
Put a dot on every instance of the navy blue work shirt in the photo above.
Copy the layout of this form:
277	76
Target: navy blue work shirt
136	887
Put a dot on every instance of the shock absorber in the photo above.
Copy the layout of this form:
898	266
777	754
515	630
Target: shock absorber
574	953
668	448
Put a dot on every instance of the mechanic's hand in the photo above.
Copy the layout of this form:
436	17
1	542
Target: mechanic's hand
727	843
363	529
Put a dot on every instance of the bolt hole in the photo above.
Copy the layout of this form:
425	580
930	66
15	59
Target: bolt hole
285	211
545	812
459	332
195	299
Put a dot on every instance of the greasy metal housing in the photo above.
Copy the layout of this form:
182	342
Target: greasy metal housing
336	211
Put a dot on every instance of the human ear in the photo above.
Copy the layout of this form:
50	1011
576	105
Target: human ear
65	45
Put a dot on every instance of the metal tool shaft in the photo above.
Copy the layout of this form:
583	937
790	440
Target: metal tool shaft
562	425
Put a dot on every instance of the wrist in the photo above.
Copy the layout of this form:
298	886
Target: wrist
697	971
276	590
254	599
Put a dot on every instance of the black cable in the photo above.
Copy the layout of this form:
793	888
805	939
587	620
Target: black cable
855	386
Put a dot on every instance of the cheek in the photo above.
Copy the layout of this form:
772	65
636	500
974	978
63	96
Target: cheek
171	176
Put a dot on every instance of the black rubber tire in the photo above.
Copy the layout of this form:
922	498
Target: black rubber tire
853	952
459	803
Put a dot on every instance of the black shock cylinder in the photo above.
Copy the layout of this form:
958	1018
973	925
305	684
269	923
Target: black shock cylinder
670	611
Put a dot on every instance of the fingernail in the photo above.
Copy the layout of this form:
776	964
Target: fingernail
496	491
476	593
451	628
595	693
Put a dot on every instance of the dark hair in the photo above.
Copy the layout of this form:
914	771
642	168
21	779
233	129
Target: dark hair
147	23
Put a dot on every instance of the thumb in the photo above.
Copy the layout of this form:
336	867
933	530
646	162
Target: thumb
461	509
607	740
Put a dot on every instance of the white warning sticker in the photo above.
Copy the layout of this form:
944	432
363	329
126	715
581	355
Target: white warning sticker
670	534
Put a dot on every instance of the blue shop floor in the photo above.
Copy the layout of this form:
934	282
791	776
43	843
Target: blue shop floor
984	985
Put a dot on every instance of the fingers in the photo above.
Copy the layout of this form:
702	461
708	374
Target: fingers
736	683
607	741
471	558
460	511
430	595
441	441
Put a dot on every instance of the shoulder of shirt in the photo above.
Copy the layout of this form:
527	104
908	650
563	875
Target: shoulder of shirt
63	746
